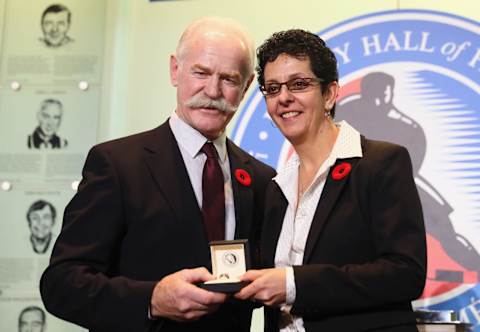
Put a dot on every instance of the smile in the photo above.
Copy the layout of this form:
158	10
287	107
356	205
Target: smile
288	115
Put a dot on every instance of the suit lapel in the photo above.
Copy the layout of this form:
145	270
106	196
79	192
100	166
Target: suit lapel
242	194
167	167
330	194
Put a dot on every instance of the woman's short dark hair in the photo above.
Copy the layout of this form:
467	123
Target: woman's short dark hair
300	44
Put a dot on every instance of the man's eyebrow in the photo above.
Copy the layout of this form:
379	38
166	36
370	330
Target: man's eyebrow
232	74
201	67
223	74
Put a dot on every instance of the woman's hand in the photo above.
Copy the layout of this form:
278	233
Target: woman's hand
267	286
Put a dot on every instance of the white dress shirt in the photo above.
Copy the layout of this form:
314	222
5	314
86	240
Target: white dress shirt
190	142
295	228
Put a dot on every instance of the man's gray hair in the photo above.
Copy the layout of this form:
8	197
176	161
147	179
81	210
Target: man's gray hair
226	25
51	101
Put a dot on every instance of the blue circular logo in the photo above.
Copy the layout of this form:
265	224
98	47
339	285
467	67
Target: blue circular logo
411	77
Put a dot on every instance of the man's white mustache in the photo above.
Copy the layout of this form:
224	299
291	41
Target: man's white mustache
202	101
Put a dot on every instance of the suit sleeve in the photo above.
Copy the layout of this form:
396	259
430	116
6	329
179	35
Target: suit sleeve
396	272
79	285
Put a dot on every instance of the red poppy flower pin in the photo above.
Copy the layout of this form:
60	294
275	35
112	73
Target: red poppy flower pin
243	177
341	170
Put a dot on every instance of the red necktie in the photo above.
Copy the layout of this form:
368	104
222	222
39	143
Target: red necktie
213	201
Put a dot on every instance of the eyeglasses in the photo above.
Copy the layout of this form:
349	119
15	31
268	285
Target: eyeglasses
294	85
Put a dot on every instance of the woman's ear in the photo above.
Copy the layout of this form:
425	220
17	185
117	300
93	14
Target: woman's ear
330	95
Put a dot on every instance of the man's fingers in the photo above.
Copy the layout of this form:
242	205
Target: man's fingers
190	315
205	297
198	274
186	305
177	298
197	294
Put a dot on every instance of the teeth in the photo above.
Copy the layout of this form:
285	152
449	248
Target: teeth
289	114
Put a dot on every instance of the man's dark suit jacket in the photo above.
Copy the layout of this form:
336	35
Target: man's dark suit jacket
365	256
134	220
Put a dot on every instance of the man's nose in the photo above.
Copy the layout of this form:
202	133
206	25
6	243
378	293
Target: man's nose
212	87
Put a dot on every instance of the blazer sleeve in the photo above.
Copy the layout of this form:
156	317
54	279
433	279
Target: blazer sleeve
395	273
78	285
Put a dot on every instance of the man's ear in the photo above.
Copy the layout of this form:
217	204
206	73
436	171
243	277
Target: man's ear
173	70
247	85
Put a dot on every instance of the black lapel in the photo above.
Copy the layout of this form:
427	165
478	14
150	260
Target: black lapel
276	207
242	194
166	165
330	194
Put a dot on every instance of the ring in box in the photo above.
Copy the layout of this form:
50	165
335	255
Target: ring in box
230	259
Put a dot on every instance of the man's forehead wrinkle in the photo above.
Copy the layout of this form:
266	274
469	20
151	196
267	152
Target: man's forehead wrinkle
207	35
227	33
222	30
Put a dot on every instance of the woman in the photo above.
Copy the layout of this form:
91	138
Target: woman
344	227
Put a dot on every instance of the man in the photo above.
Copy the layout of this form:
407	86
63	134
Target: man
49	118
135	237
41	218
55	24
31	319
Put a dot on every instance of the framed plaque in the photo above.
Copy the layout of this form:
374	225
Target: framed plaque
230	259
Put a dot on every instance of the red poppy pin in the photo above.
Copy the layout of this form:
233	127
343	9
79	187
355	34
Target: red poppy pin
341	170
243	177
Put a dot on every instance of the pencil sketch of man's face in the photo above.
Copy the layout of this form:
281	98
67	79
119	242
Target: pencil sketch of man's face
41	219
31	319
49	118
41	222
55	24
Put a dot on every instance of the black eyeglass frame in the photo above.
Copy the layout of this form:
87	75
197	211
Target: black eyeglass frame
289	84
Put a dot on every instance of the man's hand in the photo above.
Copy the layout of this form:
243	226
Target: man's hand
267	286
175	297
